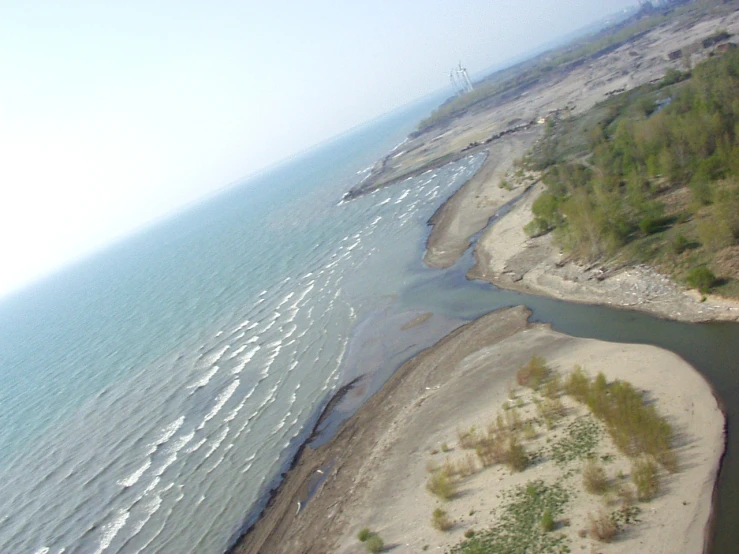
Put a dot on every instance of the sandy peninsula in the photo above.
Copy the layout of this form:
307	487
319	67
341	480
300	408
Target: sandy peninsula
377	466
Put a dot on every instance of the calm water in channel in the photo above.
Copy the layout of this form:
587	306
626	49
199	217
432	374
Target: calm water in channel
150	396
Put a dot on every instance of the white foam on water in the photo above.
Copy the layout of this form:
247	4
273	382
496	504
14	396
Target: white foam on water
221	399
167	462
263	292
169	431
252	326
42	550
204	380
195	446
110	530
253	339
136	475
149	510
284	300
217	441
238	351
232	415
180	442
242	325
245	360
152	486
269	326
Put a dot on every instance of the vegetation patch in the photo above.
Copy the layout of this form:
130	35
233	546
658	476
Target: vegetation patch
519	527
580	441
613	175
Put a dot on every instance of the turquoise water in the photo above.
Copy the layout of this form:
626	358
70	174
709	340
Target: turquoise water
169	379
150	396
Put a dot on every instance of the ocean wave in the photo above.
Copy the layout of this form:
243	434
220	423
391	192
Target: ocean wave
245	360
136	475
221	400
195	446
172	458
110	530
169	431
217	441
204	380
149	510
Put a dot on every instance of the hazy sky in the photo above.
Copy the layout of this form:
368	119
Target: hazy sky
114	113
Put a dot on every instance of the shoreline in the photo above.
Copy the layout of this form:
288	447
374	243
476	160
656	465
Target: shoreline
370	455
322	525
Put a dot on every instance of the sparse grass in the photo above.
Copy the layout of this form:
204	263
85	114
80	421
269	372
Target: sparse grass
529	431
551	410
645	476
440	484
468	439
492	450
445	447
533	374
518	528
594	478
602	527
440	520
553	387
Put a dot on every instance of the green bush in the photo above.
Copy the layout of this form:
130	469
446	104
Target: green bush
701	278
594	478
440	520
441	485
364	534
533	374
374	544
645	477
547	521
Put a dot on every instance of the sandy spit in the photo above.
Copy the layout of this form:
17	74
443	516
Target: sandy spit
376	465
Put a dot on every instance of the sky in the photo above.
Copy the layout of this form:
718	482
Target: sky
114	114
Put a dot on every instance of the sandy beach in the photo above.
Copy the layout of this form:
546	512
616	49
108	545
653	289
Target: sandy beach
375	469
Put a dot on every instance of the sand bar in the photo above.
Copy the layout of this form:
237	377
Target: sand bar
376	465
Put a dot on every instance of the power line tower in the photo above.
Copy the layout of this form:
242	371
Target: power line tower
460	79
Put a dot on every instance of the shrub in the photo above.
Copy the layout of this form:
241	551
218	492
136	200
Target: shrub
547	520
469	533
701	278
645	477
440	520
516	457
492	449
374	544
445	447
578	384
536	228
679	244
594	478
602	527
533	374
441	485
468	439
364	534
